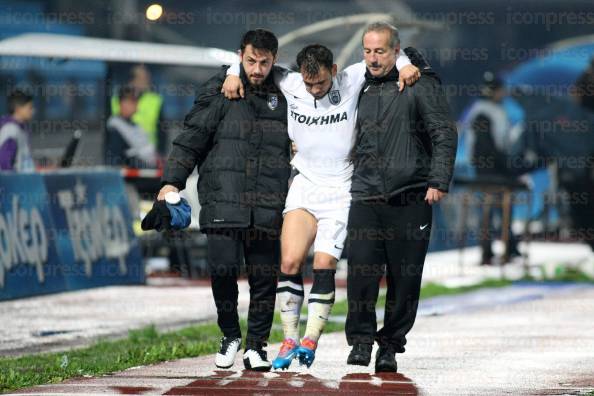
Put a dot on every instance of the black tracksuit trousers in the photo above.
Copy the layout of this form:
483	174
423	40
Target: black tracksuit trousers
227	248
390	236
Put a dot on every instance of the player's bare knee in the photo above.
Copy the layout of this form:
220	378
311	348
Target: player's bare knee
290	265
324	262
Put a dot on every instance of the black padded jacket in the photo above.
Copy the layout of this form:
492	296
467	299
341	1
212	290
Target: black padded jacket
405	139
241	149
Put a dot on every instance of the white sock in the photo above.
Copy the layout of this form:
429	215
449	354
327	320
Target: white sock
320	302
289	293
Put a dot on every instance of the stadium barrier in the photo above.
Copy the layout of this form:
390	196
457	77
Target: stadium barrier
65	230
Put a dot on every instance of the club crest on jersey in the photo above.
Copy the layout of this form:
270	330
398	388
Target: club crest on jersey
334	97
272	102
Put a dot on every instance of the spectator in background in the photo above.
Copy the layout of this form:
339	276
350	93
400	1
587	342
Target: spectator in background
15	151
126	143
150	107
491	138
490	142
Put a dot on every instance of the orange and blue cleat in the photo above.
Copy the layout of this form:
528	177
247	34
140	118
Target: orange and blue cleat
306	353
286	354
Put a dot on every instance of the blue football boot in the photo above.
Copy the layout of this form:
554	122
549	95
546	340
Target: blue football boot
306	353
287	353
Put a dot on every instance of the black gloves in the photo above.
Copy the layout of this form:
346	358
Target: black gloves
159	217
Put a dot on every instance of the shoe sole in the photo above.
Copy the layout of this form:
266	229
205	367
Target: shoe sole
386	369
283	366
359	362
231	365
286	363
248	366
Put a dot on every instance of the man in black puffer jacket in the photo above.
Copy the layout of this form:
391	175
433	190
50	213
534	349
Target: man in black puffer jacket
241	149
403	163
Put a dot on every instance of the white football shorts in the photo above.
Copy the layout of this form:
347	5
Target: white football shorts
329	205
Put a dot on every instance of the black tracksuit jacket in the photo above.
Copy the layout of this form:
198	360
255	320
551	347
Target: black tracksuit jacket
406	140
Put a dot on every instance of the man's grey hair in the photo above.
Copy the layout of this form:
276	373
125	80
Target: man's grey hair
382	27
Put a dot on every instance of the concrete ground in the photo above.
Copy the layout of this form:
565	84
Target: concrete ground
531	340
65	320
75	319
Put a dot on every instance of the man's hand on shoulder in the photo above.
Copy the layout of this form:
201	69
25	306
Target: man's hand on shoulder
408	76
233	87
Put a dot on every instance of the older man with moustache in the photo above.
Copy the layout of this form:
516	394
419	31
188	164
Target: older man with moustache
403	162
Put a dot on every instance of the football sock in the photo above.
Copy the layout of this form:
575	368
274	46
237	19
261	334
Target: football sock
290	297
320	302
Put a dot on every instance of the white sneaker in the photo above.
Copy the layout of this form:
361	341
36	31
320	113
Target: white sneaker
226	355
256	359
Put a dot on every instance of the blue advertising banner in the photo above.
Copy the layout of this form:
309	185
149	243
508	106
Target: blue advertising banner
92	218
29	262
64	231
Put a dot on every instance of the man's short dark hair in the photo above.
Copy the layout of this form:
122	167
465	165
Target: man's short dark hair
127	92
261	39
310	58
18	98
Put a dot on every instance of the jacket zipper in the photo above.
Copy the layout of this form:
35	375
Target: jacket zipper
379	150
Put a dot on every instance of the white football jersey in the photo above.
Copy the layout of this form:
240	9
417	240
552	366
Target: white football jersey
324	130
